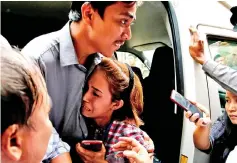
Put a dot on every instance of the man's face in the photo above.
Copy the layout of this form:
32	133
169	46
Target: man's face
36	137
109	33
231	106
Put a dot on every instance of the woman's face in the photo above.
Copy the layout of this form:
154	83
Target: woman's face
231	106
97	101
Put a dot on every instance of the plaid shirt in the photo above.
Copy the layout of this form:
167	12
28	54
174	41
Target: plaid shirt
119	129
55	147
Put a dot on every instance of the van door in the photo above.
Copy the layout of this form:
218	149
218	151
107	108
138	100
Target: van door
197	86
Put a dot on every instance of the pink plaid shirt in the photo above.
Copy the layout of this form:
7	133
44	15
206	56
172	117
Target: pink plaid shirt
119	129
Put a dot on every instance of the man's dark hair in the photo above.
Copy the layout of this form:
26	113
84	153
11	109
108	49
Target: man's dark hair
100	6
21	84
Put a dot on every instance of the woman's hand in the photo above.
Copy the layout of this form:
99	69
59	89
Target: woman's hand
195	117
133	150
91	156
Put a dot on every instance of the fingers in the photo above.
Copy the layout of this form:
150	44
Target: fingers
133	142
88	156
192	30
82	152
203	122
200	107
188	114
198	121
203	109
201	44
194	35
134	151
194	117
127	143
132	155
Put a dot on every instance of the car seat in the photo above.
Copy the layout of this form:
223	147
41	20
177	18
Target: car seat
158	115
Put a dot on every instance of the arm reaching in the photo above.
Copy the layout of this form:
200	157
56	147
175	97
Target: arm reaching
133	150
202	131
223	75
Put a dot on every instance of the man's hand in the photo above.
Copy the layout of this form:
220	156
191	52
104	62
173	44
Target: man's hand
133	150
90	156
196	47
205	121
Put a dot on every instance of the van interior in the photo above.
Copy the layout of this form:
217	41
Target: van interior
153	52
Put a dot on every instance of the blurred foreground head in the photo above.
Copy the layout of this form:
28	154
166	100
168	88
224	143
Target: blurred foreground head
25	128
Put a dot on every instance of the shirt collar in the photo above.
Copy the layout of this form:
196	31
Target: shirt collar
67	52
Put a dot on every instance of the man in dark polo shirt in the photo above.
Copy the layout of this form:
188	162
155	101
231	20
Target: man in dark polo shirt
67	56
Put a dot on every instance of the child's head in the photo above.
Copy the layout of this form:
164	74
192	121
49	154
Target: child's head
108	96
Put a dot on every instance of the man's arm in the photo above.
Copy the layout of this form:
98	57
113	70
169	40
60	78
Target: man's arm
223	75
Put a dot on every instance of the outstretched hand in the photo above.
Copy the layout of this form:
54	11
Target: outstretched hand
196	47
133	150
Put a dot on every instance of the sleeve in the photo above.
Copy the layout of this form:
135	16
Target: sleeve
217	130
55	147
223	75
136	133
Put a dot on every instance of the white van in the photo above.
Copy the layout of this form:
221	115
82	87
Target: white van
158	53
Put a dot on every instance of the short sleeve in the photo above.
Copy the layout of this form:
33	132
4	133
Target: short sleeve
217	130
55	147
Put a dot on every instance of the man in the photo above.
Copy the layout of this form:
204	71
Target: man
67	57
25	128
223	75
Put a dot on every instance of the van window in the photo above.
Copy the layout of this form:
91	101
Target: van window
223	51
132	60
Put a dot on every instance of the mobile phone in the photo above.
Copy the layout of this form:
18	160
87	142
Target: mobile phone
184	103
93	145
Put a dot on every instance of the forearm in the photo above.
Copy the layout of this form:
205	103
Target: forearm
223	75
201	137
